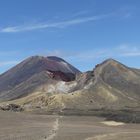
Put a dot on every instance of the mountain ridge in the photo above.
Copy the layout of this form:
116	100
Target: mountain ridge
56	87
31	67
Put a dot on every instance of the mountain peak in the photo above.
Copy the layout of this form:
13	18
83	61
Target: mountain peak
36	57
111	85
33	68
50	63
55	58
111	61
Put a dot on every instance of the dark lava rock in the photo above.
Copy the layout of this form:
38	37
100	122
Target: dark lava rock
11	107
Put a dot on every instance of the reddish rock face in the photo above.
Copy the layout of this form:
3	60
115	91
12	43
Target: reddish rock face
60	69
58	75
56	68
58	65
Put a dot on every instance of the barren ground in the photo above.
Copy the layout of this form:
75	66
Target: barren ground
19	126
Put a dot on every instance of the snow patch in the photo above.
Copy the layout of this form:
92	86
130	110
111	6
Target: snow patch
112	123
63	87
51	88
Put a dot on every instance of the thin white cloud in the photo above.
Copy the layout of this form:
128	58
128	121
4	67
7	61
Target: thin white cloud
8	63
8	53
119	51
132	54
61	24
129	50
80	13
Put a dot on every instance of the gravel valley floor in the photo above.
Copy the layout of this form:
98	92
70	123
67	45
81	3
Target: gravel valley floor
21	126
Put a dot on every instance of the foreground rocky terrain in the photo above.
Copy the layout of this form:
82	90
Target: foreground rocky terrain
21	126
50	85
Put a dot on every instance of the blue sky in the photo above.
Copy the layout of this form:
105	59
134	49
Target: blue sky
83	32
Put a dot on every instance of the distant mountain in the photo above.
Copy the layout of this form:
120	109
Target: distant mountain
110	85
54	86
32	73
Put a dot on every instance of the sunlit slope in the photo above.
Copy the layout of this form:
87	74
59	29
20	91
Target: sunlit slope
111	86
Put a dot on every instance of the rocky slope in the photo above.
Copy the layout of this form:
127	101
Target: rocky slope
31	74
111	85
52	85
